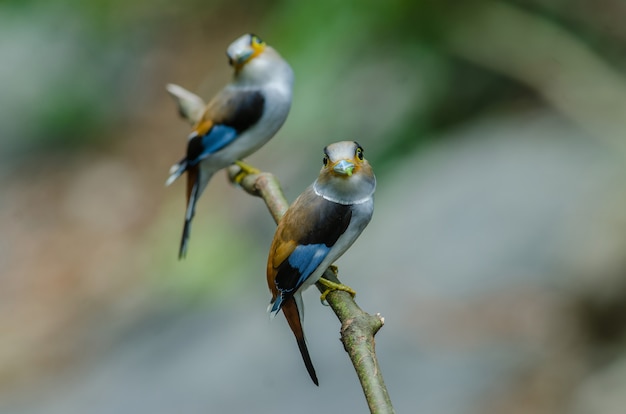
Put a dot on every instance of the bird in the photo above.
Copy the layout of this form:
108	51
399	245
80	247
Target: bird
320	225
236	122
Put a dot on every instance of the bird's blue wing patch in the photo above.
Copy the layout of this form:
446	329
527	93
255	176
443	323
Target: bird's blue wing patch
217	138
306	258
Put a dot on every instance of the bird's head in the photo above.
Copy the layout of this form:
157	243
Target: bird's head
245	49
346	175
255	62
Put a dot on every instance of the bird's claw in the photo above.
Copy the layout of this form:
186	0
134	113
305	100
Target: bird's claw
244	171
330	286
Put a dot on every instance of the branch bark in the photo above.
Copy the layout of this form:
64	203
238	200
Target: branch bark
358	328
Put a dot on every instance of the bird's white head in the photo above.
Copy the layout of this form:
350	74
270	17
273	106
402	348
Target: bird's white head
346	176
245	49
255	61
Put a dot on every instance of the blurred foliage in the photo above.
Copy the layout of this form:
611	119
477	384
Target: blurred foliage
61	91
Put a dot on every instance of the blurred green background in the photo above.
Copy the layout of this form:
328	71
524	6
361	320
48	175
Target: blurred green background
497	253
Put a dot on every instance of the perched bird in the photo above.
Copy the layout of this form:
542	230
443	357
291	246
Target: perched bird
240	119
316	230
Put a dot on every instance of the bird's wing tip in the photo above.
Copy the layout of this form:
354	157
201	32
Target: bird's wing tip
170	180
174	168
273	308
175	171
271	312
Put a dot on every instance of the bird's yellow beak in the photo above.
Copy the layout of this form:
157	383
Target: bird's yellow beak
344	167
238	57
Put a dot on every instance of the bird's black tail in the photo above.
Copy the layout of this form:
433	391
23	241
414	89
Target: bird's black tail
290	309
193	190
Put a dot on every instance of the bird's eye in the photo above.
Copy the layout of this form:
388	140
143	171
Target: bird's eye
359	153
325	161
256	41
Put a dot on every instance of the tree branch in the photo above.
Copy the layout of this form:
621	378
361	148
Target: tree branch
357	327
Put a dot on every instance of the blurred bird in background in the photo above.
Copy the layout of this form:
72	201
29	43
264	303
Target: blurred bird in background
316	230
239	120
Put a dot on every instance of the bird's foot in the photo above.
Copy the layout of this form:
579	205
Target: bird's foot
330	286
244	171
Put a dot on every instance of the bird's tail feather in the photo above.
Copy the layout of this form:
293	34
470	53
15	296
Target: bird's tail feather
290	309
184	241
190	105
191	211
